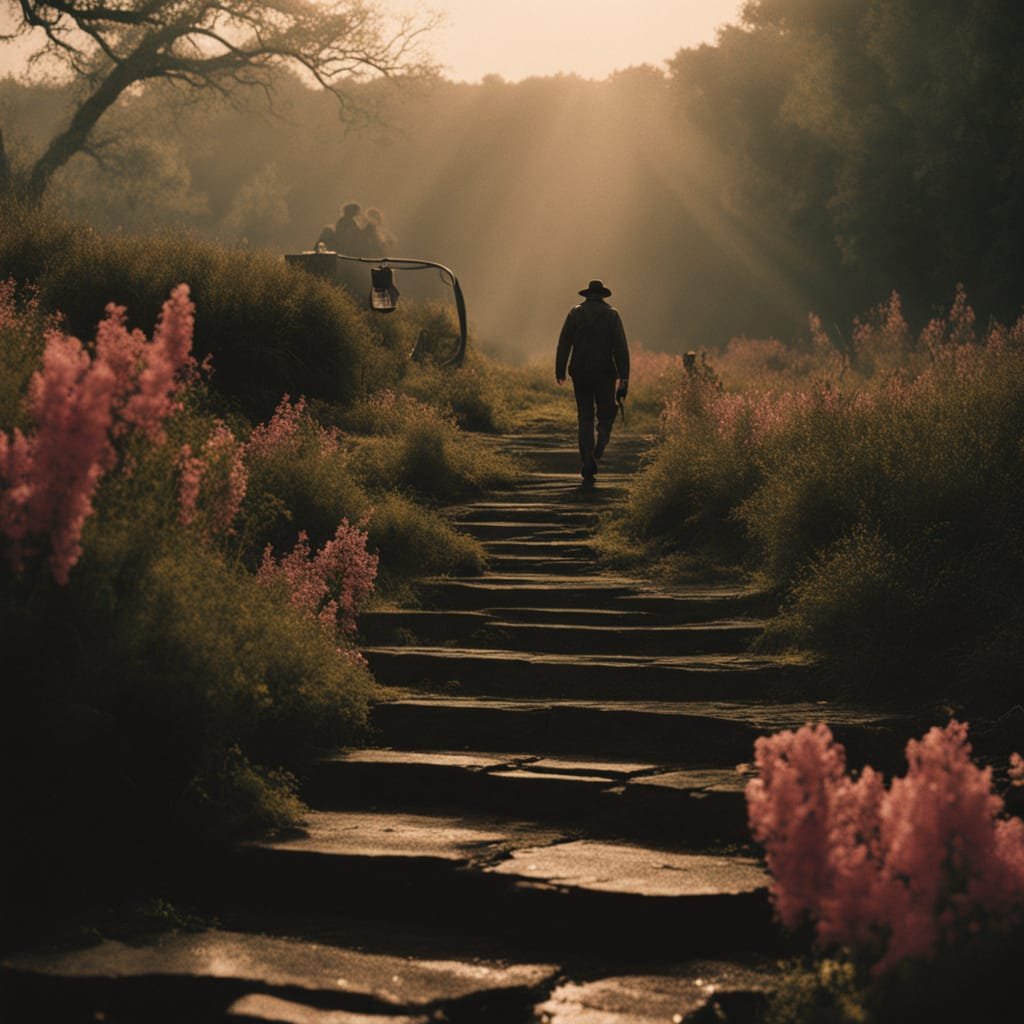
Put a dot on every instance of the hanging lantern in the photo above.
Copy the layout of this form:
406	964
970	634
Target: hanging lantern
383	293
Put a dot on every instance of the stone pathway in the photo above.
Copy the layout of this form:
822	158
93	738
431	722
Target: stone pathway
550	825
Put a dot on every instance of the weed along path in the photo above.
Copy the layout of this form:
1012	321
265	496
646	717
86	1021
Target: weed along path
551	825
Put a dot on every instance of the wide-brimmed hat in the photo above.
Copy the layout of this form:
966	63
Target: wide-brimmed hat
596	288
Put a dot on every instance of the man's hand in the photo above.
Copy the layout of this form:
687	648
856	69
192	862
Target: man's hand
623	390
559	381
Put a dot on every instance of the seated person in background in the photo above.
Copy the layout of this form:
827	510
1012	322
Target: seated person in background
348	232
377	240
326	238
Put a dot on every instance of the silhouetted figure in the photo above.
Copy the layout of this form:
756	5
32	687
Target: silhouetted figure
348	233
377	240
326	239
593	344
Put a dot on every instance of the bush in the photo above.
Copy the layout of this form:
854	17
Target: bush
413	541
472	395
421	451
161	685
300	479
917	888
698	475
271	329
885	513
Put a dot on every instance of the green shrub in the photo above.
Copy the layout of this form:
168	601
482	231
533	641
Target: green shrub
22	325
413	541
885	514
299	480
697	477
473	395
419	450
155	671
271	329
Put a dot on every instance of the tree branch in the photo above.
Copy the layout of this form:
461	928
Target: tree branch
208	44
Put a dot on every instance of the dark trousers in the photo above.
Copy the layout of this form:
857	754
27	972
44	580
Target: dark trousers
594	393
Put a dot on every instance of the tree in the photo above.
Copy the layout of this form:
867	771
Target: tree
111	47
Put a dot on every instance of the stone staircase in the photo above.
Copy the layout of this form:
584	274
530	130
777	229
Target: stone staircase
550	824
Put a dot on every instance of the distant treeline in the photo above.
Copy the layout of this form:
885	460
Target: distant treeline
819	156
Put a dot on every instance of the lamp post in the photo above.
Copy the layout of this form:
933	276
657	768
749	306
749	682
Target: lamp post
383	293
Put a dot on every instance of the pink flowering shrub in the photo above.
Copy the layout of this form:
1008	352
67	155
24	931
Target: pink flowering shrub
328	585
895	873
79	405
881	503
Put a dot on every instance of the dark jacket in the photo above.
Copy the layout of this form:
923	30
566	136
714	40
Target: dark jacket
594	335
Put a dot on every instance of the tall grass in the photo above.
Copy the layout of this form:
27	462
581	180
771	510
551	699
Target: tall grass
157	692
271	329
881	498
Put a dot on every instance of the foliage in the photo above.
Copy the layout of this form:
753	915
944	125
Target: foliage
883	509
203	46
916	887
80	406
473	395
845	124
307	477
160	682
329	584
270	329
413	541
300	478
420	450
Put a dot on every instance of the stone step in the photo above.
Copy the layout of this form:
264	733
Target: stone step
539	549
521	512
499	672
605	618
565	459
516	878
566	565
409	625
621	594
217	975
504	529
729	637
602	797
695	732
565	492
554	631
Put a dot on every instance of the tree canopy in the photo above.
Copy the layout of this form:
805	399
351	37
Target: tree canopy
110	46
887	134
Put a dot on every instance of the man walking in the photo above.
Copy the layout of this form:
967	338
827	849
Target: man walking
593	345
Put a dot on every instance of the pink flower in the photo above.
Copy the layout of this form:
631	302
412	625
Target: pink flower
280	433
227	478
166	359
191	469
79	406
329	585
895	873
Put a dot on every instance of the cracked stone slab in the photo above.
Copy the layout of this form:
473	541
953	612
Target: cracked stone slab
375	834
580	766
702	780
528	774
425	759
272	1010
634	870
649	998
346	978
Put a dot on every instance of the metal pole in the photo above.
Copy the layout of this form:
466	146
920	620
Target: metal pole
405	263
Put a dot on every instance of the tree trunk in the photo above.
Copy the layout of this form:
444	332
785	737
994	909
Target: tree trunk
6	175
71	141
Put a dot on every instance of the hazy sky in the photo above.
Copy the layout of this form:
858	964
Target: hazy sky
590	37
519	38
